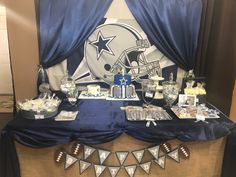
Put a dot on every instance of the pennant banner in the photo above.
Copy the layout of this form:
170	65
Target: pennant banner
122	156
102	154
174	155
114	171
88	151
154	151
146	167
138	155
99	169
161	161
70	160
130	170
181	152
83	165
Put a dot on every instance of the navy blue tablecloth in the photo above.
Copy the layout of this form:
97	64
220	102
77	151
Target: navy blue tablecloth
99	121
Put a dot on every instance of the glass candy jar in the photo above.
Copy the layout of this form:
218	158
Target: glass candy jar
170	91
68	87
67	84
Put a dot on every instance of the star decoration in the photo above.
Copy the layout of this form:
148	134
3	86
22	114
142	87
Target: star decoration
101	44
123	81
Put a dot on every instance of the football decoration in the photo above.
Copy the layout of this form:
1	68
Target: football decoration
165	147
76	148
184	152
84	162
60	155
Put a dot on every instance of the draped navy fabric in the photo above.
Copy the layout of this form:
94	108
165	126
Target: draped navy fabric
9	165
64	25
112	123
99	121
172	26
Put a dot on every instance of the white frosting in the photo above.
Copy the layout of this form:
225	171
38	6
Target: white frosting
94	89
40	104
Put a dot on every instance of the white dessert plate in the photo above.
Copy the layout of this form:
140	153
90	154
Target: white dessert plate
66	116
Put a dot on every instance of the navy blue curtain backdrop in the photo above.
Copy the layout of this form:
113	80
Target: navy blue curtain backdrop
172	25
65	24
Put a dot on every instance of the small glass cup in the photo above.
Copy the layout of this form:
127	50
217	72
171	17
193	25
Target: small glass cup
148	91
67	83
72	95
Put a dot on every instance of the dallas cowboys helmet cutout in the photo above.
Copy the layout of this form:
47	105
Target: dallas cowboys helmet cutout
113	47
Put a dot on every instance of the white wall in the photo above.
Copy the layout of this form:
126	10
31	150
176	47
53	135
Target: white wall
5	71
23	45
119	10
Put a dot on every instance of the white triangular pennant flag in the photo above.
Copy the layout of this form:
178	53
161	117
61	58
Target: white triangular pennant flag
99	169
88	151
113	171
154	151
161	161
130	170
122	156
146	167
174	155
103	155
138	155
83	166
70	160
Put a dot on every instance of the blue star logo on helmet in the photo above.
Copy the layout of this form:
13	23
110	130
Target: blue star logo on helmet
114	46
123	81
102	44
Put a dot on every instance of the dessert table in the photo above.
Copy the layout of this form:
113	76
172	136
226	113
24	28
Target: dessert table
100	121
